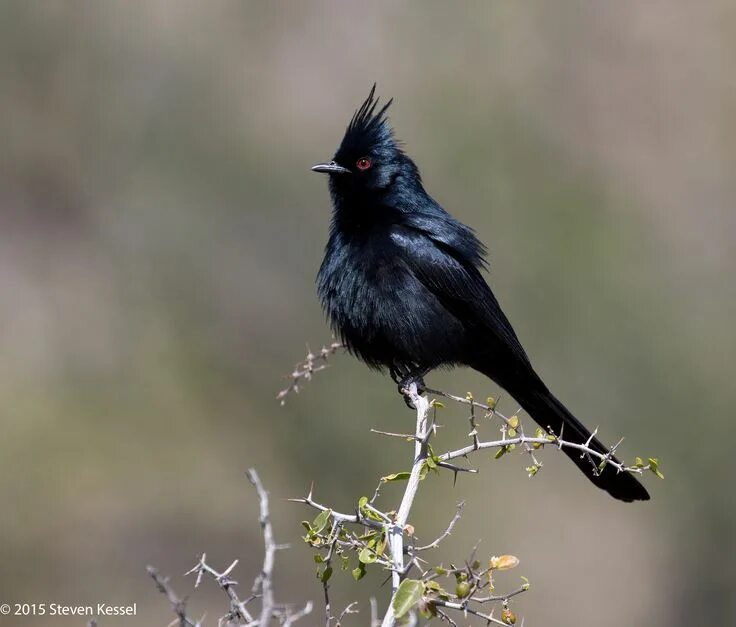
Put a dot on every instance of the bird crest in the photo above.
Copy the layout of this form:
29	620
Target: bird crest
369	130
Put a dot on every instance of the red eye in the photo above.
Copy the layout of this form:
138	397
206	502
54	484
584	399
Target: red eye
363	163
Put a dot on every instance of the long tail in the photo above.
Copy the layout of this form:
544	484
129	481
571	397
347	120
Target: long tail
550	413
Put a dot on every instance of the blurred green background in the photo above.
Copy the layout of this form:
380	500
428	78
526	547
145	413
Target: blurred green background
160	232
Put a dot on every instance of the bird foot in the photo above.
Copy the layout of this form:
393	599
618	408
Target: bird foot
404	388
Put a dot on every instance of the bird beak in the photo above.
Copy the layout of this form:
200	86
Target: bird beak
330	168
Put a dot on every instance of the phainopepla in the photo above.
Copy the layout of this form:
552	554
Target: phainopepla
402	285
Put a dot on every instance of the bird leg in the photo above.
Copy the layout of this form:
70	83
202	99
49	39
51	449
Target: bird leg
405	379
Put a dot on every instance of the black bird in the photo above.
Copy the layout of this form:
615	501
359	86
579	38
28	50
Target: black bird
402	285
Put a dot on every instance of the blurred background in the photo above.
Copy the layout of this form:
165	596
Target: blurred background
160	231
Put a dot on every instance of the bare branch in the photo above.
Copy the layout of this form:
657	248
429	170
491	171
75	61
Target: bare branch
306	369
447	532
238	610
177	605
265	578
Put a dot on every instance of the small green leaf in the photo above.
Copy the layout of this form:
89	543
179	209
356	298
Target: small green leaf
381	546
326	574
321	521
440	571
654	467
362	502
318	558
407	596
462	589
369	535
397	476
367	556
359	572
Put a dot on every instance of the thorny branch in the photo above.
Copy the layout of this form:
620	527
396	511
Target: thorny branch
177	605
380	535
306	369
262	588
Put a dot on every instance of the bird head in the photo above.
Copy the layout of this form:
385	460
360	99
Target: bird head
369	159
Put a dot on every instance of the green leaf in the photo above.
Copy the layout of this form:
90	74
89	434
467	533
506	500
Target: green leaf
381	546
326	574
407	596
318	559
397	476
362	502
321	521
367	556
359	572
654	467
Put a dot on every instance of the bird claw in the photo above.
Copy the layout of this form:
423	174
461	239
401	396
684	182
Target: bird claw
404	388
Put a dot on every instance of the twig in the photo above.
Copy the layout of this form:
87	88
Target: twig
177	604
265	578
307	368
238	610
292	618
348	610
463	607
447	532
349	518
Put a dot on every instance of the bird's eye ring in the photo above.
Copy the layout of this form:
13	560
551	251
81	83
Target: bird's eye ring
363	163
